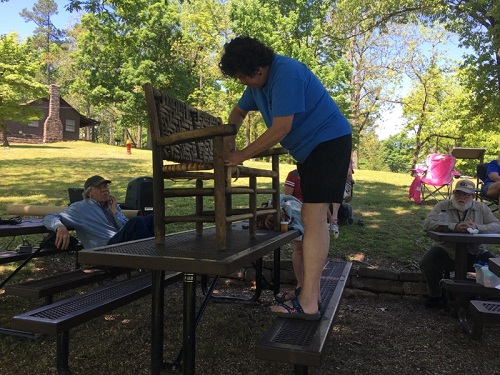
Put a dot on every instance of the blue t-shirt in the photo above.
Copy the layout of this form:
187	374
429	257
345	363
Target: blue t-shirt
293	89
492	167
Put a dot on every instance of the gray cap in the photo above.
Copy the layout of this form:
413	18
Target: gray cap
95	181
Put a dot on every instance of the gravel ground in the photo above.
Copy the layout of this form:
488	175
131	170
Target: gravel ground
371	336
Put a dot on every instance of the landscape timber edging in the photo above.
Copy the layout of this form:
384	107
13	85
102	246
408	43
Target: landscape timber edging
363	280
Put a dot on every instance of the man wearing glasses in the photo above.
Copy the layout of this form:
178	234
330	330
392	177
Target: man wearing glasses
97	219
464	214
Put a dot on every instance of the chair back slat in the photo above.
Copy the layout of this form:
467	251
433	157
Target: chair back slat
176	116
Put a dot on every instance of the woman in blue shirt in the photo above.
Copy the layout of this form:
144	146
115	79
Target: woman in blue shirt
301	115
491	185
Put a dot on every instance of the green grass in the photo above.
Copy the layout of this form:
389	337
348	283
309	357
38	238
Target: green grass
392	231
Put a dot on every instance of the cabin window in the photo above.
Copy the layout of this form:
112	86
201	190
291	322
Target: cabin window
34	123
70	126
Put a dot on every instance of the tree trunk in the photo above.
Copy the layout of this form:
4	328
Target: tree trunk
5	140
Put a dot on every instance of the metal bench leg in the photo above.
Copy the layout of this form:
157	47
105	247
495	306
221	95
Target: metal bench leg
157	321
277	271
189	343
299	370
63	353
477	329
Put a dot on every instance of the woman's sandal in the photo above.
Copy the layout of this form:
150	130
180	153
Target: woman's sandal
287	295
296	311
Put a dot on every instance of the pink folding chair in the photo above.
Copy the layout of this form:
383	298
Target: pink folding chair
437	179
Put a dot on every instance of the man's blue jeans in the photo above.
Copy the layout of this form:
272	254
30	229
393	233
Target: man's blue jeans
136	228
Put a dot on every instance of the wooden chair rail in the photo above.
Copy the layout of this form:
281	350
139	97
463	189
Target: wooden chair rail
196	135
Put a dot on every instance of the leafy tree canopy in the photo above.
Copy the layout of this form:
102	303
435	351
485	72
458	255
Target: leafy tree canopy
18	68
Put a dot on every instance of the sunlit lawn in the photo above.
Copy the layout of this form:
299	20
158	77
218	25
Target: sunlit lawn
41	174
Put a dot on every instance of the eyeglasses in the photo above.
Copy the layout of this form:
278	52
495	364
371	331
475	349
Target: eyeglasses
462	194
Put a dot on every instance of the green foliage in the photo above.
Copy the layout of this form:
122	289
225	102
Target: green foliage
398	153
18	66
478	25
46	37
370	153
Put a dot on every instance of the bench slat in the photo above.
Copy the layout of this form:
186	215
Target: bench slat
10	256
60	282
302	342
468	289
63	315
487	311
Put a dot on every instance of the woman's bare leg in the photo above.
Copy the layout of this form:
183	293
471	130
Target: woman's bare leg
316	242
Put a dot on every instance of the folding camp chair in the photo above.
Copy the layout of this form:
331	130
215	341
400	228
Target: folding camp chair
492	203
437	180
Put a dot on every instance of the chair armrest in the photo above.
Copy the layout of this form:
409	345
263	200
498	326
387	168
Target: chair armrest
272	151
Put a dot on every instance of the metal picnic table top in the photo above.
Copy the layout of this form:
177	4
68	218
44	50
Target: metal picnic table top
461	240
25	227
191	254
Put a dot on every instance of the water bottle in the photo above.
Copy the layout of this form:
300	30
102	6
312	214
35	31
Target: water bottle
443	221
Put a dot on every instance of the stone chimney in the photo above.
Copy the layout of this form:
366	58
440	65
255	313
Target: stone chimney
53	127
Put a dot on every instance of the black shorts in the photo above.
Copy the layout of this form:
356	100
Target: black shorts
324	173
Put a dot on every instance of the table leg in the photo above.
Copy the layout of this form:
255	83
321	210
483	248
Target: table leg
277	271
189	326
461	261
157	320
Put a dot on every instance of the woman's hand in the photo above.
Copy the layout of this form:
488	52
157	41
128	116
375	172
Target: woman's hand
234	158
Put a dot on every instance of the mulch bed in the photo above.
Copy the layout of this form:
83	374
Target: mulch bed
371	335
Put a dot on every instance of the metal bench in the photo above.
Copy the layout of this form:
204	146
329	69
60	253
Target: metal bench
301	342
483	312
58	318
459	294
48	286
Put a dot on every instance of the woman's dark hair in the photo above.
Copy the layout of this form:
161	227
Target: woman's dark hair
245	55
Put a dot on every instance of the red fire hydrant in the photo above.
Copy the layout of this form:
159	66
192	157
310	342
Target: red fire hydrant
129	146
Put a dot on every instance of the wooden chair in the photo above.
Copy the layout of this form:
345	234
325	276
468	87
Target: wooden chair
193	140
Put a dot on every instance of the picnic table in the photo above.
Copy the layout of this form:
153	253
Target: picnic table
471	313
461	240
24	227
190	254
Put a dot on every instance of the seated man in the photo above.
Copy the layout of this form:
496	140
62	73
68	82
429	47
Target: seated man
463	212
97	219
491	184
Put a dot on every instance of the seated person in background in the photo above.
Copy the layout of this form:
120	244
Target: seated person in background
463	213
292	187
333	213
491	184
97	219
